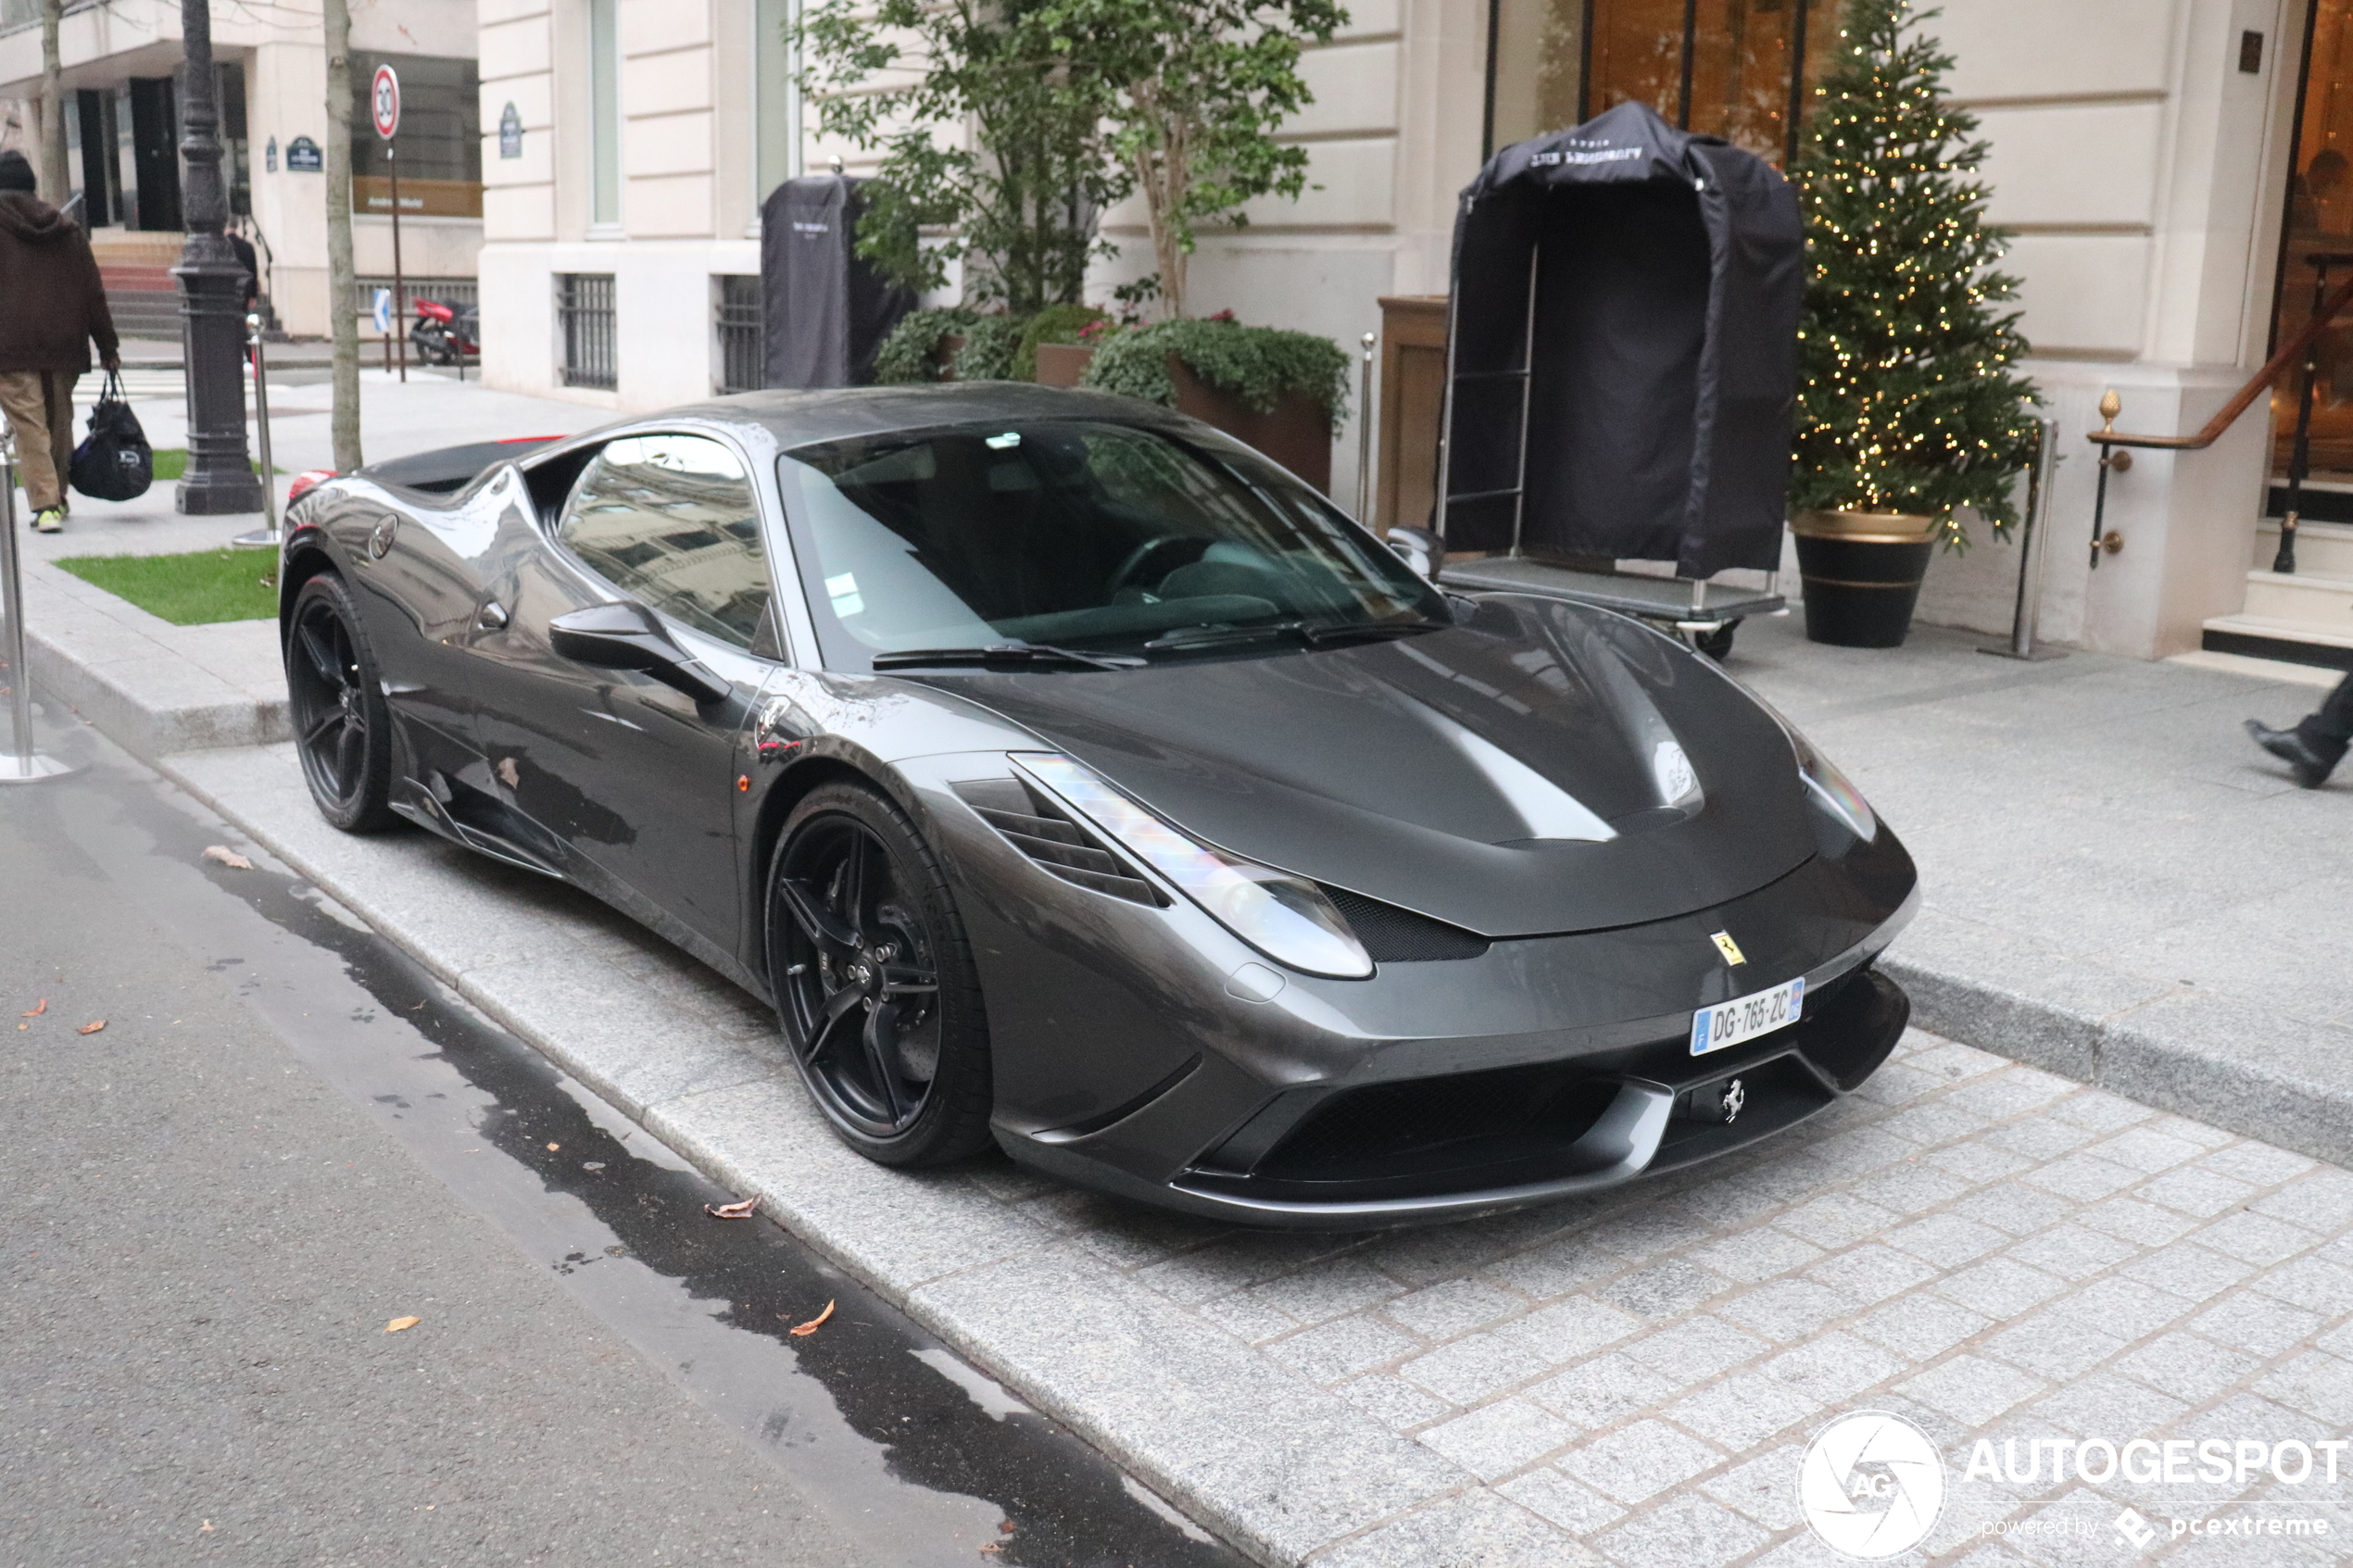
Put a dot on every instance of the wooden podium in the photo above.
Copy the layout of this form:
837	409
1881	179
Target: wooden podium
1413	397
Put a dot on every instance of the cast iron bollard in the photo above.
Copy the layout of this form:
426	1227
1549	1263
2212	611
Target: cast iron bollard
21	764
268	536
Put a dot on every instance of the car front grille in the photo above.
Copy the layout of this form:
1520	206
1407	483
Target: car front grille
1043	831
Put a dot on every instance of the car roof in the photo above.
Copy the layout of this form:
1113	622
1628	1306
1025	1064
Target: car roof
796	419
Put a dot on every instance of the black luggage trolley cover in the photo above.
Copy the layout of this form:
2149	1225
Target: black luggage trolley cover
1623	359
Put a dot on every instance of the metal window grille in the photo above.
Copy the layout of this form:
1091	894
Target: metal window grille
739	357
585	312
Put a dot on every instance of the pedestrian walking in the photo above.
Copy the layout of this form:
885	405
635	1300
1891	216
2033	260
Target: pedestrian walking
2317	745
52	309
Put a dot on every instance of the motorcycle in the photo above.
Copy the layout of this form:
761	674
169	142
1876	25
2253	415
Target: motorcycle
446	334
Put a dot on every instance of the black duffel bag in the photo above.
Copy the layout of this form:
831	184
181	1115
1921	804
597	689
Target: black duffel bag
114	461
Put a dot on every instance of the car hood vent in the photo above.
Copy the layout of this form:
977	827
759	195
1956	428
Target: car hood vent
1395	935
1043	831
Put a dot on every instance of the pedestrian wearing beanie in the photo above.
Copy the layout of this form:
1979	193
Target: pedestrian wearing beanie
52	309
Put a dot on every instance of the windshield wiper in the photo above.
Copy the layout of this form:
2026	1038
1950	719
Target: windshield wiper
1368	632
1313	635
1009	656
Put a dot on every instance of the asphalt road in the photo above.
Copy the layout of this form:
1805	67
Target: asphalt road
285	1137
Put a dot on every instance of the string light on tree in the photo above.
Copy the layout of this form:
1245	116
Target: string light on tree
1907	401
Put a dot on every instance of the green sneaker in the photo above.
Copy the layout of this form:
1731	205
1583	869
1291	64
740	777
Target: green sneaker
49	519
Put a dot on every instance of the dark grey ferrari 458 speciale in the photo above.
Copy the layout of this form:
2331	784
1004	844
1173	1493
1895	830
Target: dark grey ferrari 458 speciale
1071	777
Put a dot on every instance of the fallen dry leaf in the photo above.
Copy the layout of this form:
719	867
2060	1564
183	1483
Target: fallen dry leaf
737	1211
803	1330
227	857
397	1324
1005	1526
553	1147
92	1027
991	1545
36	1010
206	1528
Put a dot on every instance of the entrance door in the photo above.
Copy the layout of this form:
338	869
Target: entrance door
155	150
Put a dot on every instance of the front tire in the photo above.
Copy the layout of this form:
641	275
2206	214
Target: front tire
875	980
342	724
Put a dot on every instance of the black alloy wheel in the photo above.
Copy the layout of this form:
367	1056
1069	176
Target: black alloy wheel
342	724
874	983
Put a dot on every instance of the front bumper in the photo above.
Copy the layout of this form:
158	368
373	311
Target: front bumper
1131	1056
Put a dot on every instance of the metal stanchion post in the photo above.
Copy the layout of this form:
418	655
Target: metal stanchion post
1364	439
268	536
21	763
2029	550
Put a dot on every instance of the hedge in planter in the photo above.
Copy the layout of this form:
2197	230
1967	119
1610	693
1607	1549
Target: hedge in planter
1907	404
1284	392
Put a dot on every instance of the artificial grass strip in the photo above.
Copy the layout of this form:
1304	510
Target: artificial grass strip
171	463
194	589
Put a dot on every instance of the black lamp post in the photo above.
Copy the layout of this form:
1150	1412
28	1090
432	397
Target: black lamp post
212	296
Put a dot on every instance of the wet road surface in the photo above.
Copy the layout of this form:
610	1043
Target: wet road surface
287	1135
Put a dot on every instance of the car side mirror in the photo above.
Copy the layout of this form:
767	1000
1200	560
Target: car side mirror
627	636
1419	549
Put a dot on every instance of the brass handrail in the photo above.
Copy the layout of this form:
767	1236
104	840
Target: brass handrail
2228	414
2108	438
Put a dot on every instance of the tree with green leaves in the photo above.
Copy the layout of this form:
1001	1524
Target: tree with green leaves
1907	401
1198	89
1017	199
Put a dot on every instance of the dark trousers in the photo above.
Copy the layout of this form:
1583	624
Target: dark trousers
2329	731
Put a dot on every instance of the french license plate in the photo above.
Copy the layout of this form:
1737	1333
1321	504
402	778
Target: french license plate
1745	1018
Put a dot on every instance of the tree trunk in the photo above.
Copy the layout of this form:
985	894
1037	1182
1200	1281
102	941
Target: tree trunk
53	179
1164	173
343	285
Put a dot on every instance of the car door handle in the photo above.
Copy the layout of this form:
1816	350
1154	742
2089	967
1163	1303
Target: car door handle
491	616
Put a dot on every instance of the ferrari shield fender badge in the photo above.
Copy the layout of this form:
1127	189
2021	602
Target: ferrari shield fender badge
1729	949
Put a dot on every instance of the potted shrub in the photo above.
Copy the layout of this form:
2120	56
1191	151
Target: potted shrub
1281	392
1907	409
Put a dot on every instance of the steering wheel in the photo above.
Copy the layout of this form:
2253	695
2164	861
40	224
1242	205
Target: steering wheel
1143	556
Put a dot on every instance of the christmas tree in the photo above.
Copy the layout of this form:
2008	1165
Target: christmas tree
1906	402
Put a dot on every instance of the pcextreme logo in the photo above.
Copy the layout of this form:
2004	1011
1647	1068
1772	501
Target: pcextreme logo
1872	1485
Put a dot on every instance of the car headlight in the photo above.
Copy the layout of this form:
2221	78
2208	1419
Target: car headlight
1831	790
1286	917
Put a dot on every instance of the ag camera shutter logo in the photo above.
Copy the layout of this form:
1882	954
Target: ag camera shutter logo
1872	1485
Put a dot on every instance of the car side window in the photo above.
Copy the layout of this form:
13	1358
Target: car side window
672	522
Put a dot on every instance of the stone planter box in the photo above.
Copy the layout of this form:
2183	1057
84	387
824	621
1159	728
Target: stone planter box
1297	434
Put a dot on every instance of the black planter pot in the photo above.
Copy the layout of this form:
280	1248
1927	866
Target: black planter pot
1862	573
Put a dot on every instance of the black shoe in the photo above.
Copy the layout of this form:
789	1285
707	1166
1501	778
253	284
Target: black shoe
2310	768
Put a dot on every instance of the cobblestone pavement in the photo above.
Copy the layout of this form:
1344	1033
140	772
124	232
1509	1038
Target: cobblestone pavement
1982	1248
1988	1250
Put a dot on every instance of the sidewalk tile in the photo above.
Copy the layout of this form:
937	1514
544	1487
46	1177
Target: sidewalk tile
2054	1347
1394	1402
1601	1391
1754	1254
2248	1322
1833	1367
1570	1329
1578	1509
1639	1461
1765	1489
1665	1290
1971	1389
1454	1307
1475	1530
1690	1532
1342	1348
2316	1383
1693	1351
1495	1440
1871	1273
1466	1370
1740	1411
2197	1192
2072	1252
1785	1309
1919	1327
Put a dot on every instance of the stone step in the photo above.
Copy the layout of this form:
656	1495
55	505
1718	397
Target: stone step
2296	642
145	312
137	247
2322	548
2308	598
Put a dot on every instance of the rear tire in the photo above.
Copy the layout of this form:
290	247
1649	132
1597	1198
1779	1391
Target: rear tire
342	724
875	981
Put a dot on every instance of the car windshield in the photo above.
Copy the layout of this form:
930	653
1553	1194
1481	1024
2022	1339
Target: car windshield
1079	535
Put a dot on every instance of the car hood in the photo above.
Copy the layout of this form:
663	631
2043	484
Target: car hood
1545	768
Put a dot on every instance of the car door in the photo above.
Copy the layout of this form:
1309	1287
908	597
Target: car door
633	779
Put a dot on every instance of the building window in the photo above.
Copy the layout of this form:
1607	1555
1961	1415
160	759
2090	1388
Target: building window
584	314
604	114
775	97
1721	67
440	118
740	352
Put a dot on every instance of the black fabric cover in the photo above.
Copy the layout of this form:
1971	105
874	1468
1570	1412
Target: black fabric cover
114	461
823	312
1663	271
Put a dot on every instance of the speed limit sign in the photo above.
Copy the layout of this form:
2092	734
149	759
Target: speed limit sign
383	97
